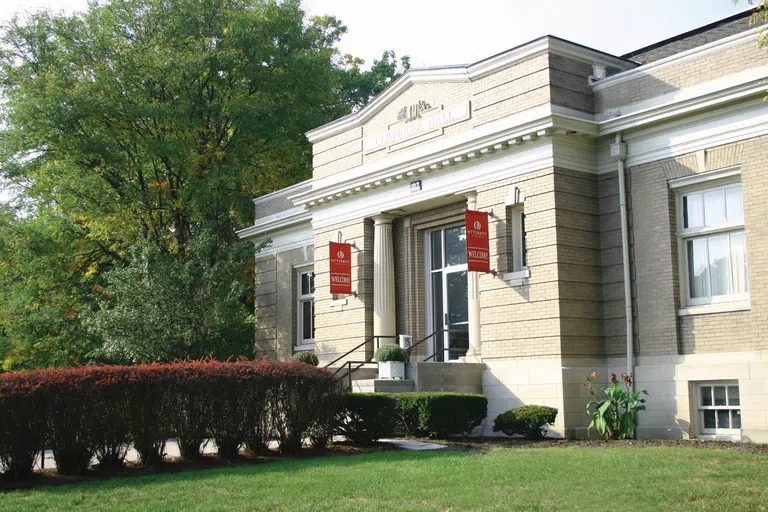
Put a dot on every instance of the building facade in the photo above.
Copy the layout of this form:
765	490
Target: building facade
626	229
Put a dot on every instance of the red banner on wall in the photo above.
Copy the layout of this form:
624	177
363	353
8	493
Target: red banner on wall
478	251
341	268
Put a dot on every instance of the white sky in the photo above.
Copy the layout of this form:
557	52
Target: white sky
443	32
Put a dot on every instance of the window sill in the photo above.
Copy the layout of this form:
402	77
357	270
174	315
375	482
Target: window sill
517	278
304	348
721	307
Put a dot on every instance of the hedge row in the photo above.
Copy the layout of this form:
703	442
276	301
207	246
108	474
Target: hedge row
368	417
97	411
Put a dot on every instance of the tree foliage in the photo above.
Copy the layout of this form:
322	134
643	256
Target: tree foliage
138	132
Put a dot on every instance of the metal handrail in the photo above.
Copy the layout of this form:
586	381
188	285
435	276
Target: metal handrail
358	363
440	331
358	347
350	370
449	350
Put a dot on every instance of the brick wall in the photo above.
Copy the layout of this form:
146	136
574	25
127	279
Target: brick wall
687	73
276	292
528	84
578	257
522	321
613	332
340	325
659	329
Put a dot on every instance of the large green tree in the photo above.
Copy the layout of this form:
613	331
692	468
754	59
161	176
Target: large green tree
138	131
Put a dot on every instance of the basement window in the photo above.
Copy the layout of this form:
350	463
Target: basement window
719	409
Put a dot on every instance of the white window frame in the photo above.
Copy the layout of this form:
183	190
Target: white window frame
717	180
518	250
301	342
429	295
716	433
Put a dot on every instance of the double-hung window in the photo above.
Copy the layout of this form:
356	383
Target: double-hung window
305	293
713	245
719	407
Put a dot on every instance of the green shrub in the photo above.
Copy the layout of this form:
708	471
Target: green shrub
367	417
440	415
527	421
307	357
391	353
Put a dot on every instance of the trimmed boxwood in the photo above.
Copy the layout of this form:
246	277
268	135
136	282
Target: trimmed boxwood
391	353
527	421
367	417
440	415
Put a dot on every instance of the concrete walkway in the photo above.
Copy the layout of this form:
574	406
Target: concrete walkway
172	449
416	446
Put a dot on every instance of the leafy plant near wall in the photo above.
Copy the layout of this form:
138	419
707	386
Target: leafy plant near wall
391	353
614	416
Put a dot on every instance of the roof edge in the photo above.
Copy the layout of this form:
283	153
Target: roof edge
698	30
466	73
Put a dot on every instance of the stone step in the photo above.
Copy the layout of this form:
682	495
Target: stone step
364	373
383	386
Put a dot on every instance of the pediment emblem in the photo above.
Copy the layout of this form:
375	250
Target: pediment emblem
412	112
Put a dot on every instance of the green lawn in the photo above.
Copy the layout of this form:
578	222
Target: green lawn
573	478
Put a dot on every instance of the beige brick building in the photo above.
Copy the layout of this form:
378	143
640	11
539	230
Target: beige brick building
539	137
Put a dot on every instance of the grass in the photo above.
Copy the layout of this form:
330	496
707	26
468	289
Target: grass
572	478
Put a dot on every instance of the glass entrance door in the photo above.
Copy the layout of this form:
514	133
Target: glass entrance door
447	292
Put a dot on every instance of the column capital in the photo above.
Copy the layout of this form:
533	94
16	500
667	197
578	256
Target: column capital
471	199
383	218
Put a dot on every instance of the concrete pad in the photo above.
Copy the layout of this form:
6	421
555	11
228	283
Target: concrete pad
416	446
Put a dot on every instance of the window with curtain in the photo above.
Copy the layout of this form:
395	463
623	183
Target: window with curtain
713	243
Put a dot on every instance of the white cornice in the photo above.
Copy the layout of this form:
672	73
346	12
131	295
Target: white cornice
275	223
283	191
501	135
709	129
299	236
675	59
439	185
465	73
718	92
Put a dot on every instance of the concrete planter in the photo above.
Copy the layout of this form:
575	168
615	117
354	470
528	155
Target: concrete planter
392	370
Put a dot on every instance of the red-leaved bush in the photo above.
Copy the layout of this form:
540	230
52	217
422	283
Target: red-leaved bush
98	411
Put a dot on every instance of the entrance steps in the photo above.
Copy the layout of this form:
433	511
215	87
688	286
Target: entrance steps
424	376
383	386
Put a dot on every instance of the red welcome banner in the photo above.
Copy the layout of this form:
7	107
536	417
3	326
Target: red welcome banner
341	268
478	249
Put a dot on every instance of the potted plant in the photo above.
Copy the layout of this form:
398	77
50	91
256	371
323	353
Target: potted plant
391	359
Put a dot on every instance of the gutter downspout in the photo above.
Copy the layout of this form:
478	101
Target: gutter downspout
619	151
